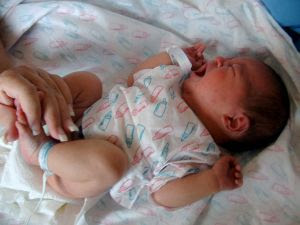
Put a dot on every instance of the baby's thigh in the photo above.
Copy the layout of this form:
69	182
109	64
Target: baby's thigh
86	88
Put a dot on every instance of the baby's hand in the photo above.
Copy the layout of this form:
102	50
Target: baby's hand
195	55
228	173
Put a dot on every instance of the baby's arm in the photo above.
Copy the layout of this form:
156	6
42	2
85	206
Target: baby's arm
194	54
160	59
224	175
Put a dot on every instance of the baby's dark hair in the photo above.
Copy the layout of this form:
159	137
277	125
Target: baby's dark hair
268	114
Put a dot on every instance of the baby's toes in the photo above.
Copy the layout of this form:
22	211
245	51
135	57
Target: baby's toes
238	175
239	182
237	167
238	178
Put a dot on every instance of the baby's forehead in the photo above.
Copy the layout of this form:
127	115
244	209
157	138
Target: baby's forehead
248	61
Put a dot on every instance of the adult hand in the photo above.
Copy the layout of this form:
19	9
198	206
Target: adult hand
43	98
228	173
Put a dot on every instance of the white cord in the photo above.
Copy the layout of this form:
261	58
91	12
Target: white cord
43	161
45	176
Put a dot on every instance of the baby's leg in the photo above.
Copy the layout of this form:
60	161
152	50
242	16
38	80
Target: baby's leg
85	88
82	168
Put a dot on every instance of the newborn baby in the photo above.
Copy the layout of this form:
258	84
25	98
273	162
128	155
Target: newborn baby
155	140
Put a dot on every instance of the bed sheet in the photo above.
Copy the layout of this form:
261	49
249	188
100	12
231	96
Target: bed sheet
109	38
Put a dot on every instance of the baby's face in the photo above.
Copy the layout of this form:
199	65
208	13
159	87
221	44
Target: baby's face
224	85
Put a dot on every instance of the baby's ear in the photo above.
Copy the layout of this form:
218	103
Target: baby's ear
236	125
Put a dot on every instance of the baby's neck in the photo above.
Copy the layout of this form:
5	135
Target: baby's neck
212	125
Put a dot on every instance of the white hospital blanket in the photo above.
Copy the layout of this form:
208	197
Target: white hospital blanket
109	38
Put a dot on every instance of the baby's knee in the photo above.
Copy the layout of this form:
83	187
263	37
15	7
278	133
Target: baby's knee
86	89
118	166
113	161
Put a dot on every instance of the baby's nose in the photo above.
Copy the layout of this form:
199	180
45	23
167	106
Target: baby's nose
220	61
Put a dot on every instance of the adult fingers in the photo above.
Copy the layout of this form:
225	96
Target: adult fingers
63	97
15	86
67	122
66	92
20	113
32	76
52	107
40	79
52	118
44	84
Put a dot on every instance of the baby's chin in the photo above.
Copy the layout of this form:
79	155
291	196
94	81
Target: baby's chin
194	76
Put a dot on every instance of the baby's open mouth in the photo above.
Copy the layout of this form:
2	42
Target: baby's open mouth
200	72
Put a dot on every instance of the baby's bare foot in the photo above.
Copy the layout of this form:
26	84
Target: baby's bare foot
30	145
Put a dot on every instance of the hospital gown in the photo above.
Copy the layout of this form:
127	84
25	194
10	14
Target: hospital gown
161	135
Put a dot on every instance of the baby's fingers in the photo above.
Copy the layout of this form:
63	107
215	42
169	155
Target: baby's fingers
200	52
189	51
199	48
